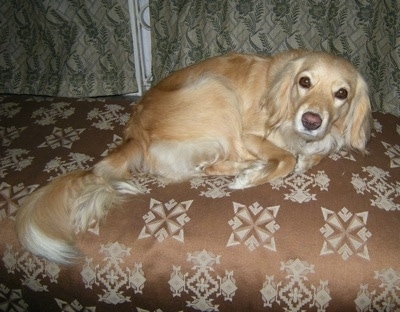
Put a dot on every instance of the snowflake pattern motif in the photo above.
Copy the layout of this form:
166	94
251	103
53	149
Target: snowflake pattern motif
62	138
393	151
386	298
77	161
204	285
15	159
74	306
377	128
10	109
345	233
35	271
296	293
300	184
254	226
7	135
11	198
342	155
117	140
49	115
112	277
213	187
12	300
166	220
385	193
144	182
105	119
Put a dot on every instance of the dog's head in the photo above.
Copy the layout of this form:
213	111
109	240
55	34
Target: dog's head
317	92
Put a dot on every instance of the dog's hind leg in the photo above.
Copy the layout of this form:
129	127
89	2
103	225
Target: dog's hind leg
118	166
121	162
273	162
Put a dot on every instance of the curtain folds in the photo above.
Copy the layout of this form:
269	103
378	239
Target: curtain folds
66	48
81	48
365	32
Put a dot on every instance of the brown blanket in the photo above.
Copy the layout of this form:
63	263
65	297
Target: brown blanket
325	240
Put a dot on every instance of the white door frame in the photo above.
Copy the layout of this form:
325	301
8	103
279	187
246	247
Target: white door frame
139	12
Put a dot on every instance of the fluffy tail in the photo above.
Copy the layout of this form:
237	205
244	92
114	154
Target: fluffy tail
49	218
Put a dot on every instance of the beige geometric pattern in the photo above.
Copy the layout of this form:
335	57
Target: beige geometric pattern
385	194
111	113
299	185
342	155
394	154
7	135
36	272
253	226
145	183
384	298
62	138
10	109
76	161
12	300
113	277
212	187
166	220
204	284
15	159
74	306
49	115
345	233
117	140
11	198
296	293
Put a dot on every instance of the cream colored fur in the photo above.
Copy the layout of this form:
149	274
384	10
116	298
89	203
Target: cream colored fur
252	117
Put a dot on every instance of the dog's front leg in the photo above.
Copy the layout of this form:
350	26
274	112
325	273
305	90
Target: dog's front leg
273	162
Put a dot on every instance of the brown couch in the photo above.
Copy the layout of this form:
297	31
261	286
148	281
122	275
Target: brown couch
325	240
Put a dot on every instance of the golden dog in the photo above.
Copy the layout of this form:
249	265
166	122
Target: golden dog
256	118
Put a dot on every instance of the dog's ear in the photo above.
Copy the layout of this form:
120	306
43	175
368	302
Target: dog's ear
358	122
277	102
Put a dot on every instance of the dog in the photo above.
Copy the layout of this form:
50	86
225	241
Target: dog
257	118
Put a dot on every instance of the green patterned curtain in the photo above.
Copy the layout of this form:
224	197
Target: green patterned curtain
365	32
66	47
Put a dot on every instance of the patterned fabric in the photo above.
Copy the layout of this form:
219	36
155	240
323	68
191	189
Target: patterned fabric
365	32
324	240
66	48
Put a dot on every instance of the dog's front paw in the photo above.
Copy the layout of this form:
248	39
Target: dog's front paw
305	162
301	166
239	183
247	177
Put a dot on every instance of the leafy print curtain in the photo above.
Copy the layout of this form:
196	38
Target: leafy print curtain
66	47
365	32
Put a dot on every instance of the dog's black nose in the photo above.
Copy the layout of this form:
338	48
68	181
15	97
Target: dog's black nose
311	121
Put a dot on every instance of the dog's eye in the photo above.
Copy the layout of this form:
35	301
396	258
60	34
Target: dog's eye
305	82
341	94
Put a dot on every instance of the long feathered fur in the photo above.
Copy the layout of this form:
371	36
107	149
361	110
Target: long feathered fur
49	219
241	115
